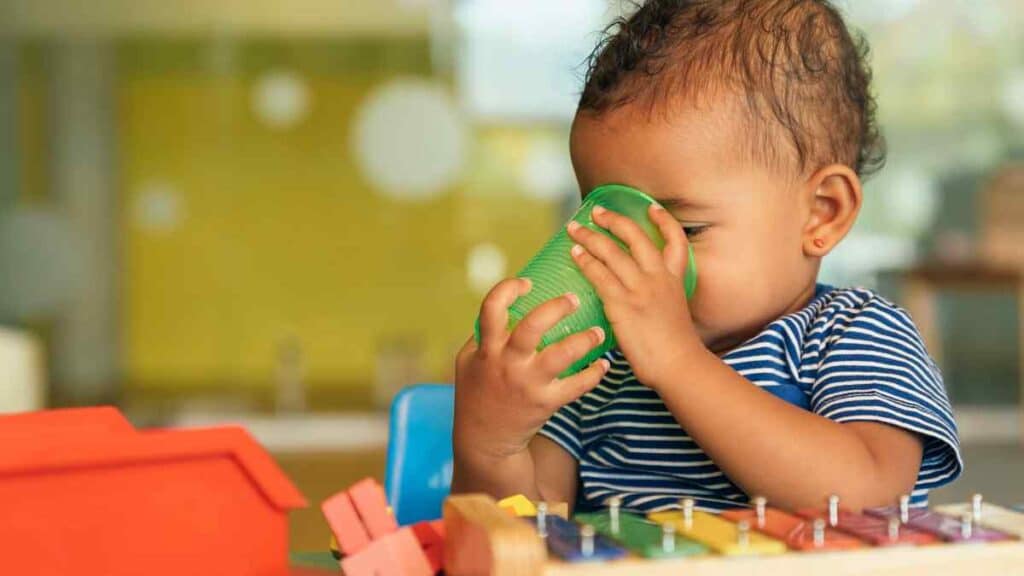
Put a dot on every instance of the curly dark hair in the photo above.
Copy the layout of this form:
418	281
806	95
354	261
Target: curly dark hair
791	61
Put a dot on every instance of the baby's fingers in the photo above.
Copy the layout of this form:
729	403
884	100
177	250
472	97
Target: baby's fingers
494	311
531	329
675	251
556	358
569	389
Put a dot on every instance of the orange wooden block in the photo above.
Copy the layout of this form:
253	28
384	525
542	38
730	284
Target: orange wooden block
796	532
429	533
431	538
435	557
83	492
368	498
396	554
348	529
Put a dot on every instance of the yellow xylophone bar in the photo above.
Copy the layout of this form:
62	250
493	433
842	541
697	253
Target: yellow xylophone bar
720	535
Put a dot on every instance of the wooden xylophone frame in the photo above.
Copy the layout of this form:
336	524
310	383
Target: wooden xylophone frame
485	540
1003	558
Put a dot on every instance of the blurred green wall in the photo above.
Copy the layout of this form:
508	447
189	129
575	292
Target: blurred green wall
280	238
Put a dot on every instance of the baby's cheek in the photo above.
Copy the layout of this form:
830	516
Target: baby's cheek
731	295
716	286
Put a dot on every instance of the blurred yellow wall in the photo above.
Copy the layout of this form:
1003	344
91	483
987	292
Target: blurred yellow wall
280	237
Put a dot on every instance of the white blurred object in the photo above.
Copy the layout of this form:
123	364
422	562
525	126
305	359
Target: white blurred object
400	361
158	208
547	171
913	201
281	99
300	433
858	258
1013	96
524	60
291	376
409	139
485	267
22	377
41	262
878	10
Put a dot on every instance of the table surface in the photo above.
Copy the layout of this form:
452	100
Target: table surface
316	562
936	560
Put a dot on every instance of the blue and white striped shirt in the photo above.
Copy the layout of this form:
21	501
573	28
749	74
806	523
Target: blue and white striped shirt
849	355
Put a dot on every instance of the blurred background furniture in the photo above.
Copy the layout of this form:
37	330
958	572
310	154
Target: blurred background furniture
419	464
996	266
21	372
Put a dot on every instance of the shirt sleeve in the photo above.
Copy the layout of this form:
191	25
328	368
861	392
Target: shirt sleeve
563	428
874	368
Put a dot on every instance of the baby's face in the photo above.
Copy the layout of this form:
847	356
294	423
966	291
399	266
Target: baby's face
745	222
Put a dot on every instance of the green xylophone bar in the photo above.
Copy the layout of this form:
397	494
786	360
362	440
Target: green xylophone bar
641	537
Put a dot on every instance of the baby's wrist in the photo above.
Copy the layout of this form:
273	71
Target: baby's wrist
478	448
679	369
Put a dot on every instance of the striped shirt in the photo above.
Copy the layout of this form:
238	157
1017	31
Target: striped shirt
849	355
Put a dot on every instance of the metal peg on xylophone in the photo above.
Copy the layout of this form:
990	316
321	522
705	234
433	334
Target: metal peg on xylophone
833	510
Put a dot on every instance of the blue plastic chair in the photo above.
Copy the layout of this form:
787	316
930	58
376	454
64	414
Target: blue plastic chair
419	462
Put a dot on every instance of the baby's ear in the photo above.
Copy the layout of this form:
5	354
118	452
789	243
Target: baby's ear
834	199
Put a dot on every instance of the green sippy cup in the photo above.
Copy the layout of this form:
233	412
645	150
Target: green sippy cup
553	272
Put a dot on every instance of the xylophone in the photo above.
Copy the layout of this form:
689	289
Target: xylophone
974	538
518	537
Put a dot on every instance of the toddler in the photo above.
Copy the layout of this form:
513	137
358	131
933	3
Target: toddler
752	123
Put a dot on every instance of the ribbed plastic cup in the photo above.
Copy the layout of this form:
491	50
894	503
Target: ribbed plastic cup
553	272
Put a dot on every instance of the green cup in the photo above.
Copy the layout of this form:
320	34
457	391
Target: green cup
553	272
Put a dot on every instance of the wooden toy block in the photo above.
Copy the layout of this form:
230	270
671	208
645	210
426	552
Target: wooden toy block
871	529
949	528
395	554
797	533
430	535
481	538
346	526
435	558
518	505
368	498
573	542
992	516
720	535
83	492
641	537
429	532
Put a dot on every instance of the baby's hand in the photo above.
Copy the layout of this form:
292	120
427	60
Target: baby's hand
505	390
642	290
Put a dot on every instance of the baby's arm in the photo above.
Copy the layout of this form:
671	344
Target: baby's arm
793	457
543	473
505	390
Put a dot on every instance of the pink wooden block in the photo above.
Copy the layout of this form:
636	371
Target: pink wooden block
397	554
345	524
368	498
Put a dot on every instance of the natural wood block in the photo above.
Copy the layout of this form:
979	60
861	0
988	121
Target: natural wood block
481	538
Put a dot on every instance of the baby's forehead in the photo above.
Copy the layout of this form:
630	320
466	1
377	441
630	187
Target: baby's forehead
699	142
